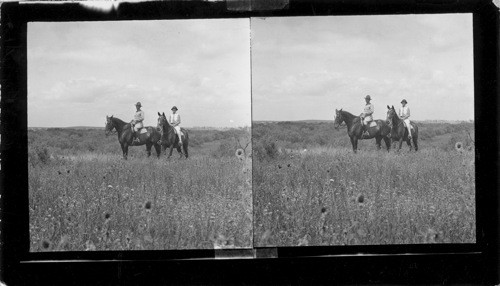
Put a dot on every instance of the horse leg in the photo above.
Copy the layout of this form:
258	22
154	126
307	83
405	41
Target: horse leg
378	140
415	143
148	149
179	150
171	149
409	143
400	143
185	149
387	141
125	150
158	149
354	143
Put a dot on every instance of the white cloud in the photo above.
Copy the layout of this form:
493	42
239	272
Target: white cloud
341	59
199	65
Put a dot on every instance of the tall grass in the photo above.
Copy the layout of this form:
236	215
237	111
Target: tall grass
330	196
102	202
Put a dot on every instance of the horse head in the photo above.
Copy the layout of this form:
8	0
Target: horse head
338	118
391	112
162	122
108	128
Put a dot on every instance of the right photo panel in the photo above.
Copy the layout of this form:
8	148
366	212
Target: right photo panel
363	130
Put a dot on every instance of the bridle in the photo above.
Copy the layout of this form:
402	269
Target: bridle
111	131
389	120
342	124
159	126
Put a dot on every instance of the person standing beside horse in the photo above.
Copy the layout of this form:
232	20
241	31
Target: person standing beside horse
175	121
137	122
404	114
367	116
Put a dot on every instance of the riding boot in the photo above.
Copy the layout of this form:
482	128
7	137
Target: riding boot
365	133
136	139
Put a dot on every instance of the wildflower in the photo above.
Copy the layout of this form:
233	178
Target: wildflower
304	241
430	236
361	199
459	147
46	244
89	246
361	232
240	154
264	239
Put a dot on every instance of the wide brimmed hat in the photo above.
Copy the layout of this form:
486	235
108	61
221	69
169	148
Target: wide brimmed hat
138	104
368	97
404	101
175	107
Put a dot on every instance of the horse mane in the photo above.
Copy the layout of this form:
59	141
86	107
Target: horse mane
347	113
166	126
118	123
118	120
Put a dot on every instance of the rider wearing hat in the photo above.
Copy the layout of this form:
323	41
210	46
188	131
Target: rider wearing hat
137	122
404	114
366	116
175	121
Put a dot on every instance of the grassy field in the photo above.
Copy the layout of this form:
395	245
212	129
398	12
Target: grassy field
83	200
326	195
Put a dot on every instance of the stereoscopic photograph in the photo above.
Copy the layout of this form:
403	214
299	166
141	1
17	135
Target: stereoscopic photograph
363	130
139	135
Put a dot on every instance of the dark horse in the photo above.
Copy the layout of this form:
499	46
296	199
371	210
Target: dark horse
170	139
379	130
399	132
150	138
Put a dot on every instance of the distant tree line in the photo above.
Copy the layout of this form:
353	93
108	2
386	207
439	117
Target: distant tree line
270	138
68	141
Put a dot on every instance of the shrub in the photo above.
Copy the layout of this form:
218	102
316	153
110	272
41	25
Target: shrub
226	149
39	154
265	149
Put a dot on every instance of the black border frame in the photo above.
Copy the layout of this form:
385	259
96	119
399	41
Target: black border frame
451	263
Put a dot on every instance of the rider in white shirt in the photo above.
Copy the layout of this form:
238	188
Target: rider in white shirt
404	114
367	115
175	121
137	122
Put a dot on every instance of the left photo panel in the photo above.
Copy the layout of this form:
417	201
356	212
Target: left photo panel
139	135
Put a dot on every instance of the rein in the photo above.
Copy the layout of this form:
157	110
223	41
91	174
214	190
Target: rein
111	132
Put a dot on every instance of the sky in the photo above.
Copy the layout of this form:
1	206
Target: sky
80	72
306	67
227	72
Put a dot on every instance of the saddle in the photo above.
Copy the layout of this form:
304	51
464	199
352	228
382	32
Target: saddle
142	130
372	123
182	133
411	125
